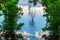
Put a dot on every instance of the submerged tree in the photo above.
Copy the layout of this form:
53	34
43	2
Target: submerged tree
52	17
11	13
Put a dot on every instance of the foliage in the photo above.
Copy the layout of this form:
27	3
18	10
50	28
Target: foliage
11	14
34	2
52	15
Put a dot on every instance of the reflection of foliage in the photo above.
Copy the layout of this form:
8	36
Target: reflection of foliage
31	23
11	14
32	15
52	15
34	1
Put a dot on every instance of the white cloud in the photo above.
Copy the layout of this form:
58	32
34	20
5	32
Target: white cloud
32	9
26	34
37	35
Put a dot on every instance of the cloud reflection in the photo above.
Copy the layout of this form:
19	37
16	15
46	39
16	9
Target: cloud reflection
32	9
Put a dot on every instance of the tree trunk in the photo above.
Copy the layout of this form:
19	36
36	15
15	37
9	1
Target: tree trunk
13	37
6	38
53	37
59	37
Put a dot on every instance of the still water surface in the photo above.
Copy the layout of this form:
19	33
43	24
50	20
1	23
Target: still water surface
39	23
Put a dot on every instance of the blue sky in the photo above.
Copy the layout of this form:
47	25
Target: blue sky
25	3
39	19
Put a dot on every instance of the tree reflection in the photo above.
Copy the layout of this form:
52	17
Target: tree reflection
31	22
32	16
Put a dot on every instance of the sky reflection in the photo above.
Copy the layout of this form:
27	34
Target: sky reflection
39	20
